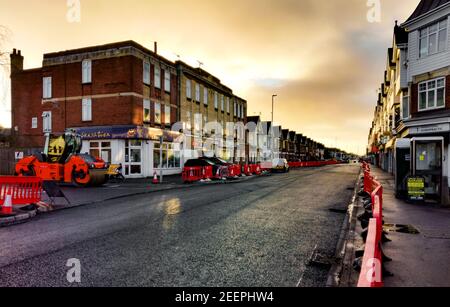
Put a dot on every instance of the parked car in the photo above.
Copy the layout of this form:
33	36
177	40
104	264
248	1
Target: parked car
280	165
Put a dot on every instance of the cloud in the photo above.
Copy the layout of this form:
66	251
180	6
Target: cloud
323	58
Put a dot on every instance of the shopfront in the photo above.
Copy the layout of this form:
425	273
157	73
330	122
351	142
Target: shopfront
138	149
430	150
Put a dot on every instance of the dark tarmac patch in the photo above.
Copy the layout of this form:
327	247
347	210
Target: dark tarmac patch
408	229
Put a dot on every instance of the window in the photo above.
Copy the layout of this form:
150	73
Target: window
157	76
158	113
86	71
405	107
47	121
432	94
197	92
101	150
167	81
228	105
146	76
47	87
433	38
146	111
170	155
167	115
238	111
216	101
205	96
34	123
86	112
235	109
188	89
222	103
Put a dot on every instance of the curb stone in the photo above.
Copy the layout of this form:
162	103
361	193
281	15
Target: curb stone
18	219
345	248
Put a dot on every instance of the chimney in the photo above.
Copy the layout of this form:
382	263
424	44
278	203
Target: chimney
16	61
156	47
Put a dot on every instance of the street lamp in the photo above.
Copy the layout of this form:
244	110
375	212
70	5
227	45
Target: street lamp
272	128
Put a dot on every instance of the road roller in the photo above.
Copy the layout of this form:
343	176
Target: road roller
62	162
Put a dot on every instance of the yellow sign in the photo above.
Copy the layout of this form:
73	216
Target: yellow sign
56	148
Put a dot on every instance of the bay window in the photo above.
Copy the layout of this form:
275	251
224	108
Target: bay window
433	39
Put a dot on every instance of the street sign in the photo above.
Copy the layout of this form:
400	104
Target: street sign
416	188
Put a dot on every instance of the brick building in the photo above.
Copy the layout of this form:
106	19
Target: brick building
205	100
120	97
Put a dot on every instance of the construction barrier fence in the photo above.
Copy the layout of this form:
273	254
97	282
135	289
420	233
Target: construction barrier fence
23	190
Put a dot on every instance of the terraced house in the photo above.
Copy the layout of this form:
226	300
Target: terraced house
204	99
413	110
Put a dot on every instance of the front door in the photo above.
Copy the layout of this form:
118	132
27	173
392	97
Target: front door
428	164
133	158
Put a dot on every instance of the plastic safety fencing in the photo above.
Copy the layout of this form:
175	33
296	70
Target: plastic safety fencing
372	267
312	164
194	174
23	190
371	270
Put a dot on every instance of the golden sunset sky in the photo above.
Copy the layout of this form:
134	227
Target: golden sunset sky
323	58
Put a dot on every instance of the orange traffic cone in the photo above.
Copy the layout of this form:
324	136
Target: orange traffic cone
7	205
155	179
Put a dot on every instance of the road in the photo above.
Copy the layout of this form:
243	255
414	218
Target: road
256	233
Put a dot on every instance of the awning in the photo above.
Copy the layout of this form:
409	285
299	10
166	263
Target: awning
390	144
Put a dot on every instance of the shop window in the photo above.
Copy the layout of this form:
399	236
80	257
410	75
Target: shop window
170	156
101	150
133	157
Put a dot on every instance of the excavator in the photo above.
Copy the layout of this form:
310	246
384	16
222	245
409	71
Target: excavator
62	162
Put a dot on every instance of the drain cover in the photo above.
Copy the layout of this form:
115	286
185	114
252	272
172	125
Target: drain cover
408	229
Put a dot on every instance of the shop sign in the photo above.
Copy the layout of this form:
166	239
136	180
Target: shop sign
126	132
416	188
430	129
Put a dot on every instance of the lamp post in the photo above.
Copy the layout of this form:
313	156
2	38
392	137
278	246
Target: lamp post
272	127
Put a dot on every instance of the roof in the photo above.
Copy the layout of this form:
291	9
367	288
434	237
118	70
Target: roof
426	6
400	35
117	45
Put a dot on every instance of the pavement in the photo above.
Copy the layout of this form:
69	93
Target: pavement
269	231
419	260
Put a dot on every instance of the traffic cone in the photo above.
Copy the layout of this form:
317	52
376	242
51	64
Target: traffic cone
155	179
7	205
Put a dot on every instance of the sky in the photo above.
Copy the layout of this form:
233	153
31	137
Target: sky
324	59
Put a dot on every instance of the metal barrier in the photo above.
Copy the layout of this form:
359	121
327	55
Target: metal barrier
24	190
371	271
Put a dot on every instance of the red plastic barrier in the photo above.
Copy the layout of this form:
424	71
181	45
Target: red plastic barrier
234	170
256	169
24	190
207	172
371	270
247	170
192	174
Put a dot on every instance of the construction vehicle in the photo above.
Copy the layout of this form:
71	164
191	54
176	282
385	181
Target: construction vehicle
61	161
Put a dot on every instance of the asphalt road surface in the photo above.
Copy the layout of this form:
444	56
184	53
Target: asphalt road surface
256	233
